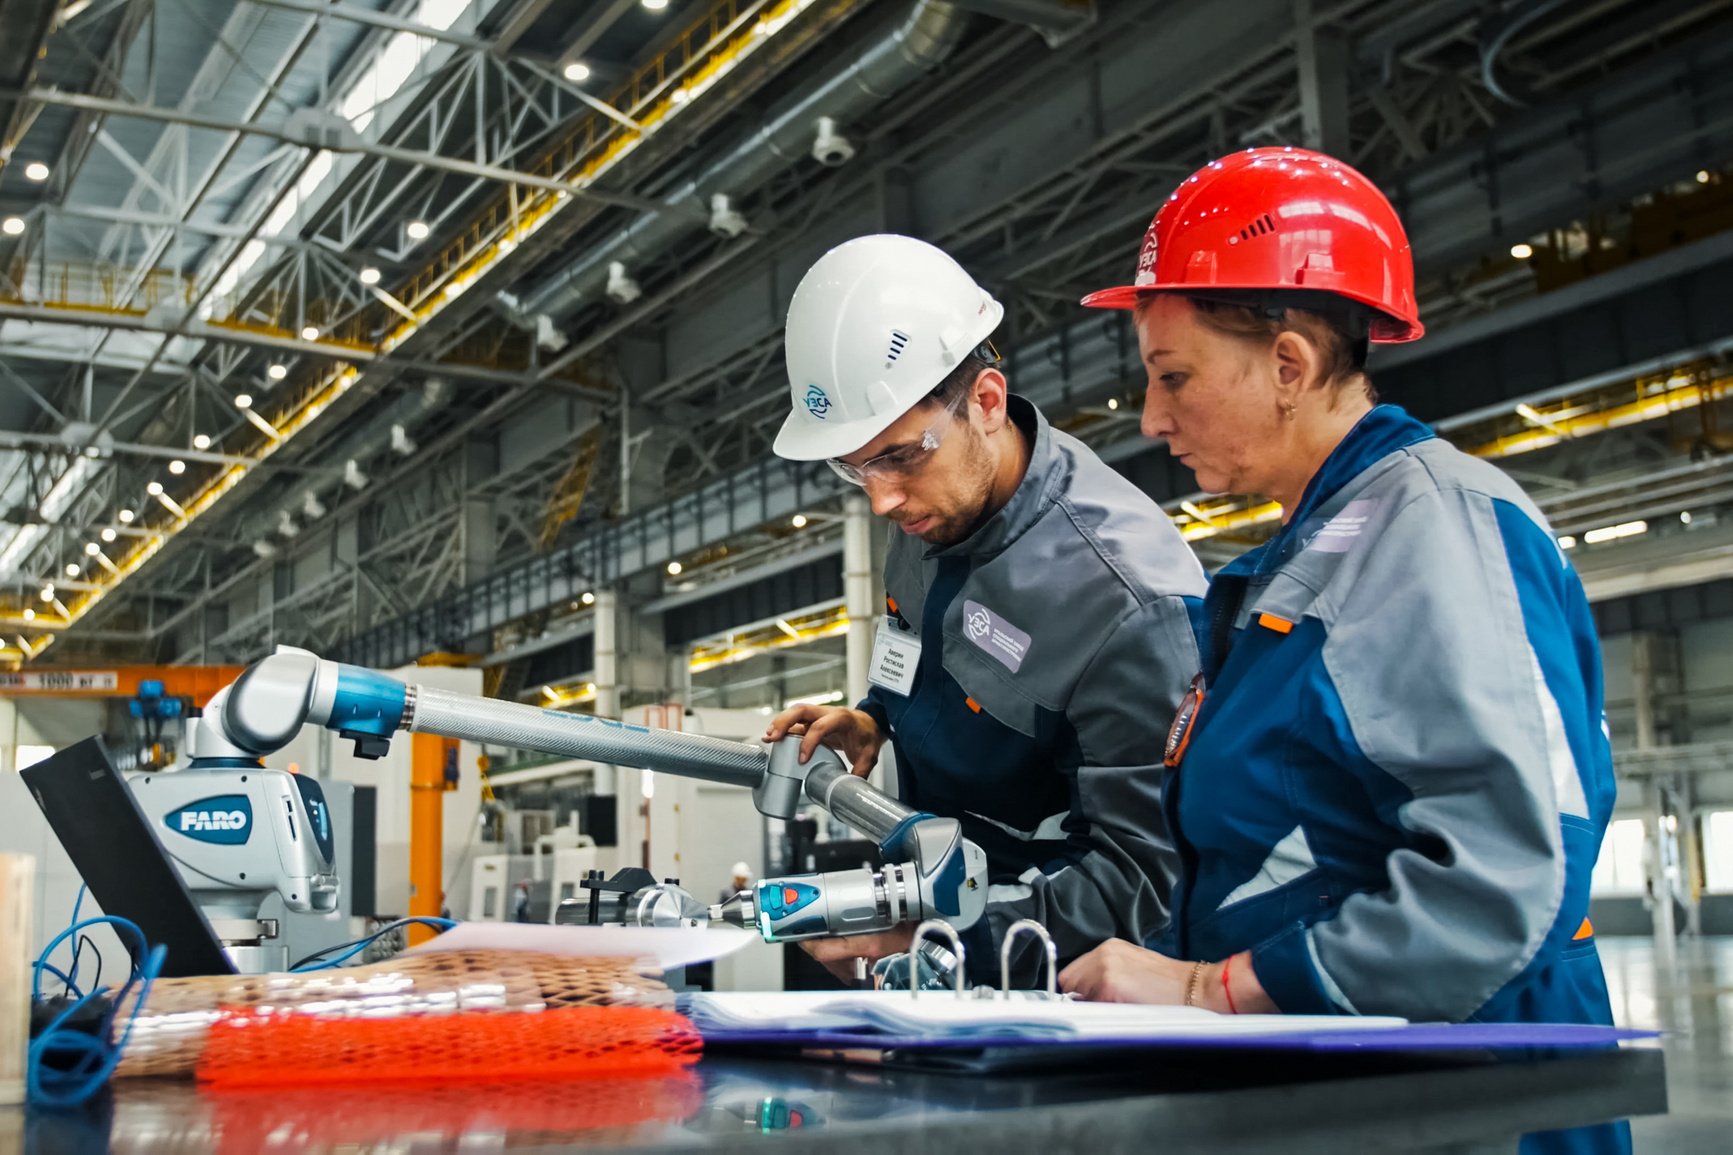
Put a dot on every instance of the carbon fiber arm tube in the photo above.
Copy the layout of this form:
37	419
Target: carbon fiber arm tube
855	803
449	715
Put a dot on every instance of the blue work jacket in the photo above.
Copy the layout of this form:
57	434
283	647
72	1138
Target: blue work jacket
1395	788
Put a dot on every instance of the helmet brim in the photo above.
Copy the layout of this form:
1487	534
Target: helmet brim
1118	297
802	438
1387	329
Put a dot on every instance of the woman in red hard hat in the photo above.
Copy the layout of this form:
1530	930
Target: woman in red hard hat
1389	785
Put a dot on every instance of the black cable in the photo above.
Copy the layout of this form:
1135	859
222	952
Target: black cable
365	940
84	941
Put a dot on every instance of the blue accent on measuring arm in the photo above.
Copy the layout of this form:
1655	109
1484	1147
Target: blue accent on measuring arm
948	886
368	708
893	842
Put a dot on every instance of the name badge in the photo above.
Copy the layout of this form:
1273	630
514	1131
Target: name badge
896	654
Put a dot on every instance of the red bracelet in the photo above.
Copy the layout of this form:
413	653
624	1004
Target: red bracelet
1228	991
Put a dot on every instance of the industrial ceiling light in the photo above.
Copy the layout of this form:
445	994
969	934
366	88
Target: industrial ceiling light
829	146
680	96
243	401
1522	250
29	614
589	599
286	524
1614	532
401	443
1113	403
47	593
655	5
311	507
621	288
309	332
154	489
416	230
177	467
1702	176
798	521
352	475
276	373
370	276
91	549
264	548
126	516
725	220
13	226
36	171
72	570
108	533
674	569
577	70
1685	517
1567	542
201	441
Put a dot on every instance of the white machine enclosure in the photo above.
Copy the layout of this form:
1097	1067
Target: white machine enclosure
239	836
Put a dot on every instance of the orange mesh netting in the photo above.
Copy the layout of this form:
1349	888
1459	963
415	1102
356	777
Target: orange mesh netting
174	1024
533	1114
295	1050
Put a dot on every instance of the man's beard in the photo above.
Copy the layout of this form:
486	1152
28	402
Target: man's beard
976	481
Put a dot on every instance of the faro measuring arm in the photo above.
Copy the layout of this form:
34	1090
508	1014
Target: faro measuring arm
931	871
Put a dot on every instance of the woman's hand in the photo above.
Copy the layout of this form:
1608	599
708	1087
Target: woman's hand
1120	972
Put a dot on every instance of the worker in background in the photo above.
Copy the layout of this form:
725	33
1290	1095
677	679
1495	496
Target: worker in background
1390	781
740	878
1036	633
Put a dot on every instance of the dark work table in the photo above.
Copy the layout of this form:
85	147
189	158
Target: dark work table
1150	1101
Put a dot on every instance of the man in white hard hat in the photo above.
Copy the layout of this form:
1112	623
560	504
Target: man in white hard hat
740	877
1037	637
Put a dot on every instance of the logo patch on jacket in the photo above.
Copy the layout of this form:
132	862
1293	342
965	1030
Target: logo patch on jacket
817	402
1004	641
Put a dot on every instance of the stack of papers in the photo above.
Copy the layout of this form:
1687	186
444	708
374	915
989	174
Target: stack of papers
939	1015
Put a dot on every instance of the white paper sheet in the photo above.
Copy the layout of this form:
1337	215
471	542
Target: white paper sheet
665	947
940	1013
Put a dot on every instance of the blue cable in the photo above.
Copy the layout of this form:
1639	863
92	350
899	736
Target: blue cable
351	949
77	944
94	1055
70	979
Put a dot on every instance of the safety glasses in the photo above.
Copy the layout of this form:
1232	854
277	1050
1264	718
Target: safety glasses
903	462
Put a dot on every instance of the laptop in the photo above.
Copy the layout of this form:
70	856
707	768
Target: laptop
92	811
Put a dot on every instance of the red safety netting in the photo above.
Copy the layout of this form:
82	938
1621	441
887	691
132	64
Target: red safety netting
262	1049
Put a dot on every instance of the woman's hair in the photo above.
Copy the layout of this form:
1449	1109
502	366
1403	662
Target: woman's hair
1338	334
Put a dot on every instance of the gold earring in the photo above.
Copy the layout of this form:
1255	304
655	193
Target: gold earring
1288	410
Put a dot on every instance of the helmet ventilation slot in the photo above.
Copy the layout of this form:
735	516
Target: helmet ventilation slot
899	342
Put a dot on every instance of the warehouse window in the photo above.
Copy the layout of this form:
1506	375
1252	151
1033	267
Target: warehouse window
1718	851
1620	868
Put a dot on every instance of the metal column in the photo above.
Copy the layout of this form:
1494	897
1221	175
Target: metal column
1643	690
427	754
858	593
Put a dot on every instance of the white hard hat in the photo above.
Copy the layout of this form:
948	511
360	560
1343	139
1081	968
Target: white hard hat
874	326
741	870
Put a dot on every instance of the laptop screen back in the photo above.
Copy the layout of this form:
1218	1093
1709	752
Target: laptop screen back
94	814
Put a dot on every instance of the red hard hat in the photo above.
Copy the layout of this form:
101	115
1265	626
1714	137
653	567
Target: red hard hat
1277	219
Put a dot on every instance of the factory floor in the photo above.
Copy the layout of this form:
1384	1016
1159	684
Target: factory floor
1692	1001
